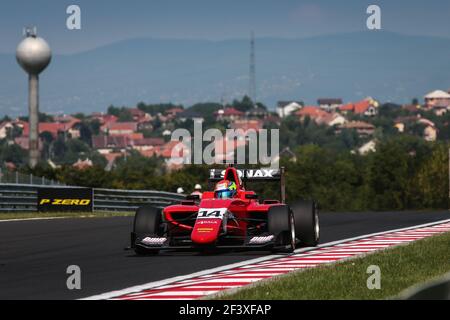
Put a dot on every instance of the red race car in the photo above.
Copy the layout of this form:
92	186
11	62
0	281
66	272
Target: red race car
228	217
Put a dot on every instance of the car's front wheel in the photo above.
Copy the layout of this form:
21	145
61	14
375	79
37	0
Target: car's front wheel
307	226
147	222
281	224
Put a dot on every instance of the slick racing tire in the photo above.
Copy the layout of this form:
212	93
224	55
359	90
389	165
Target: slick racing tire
306	218
147	222
281	223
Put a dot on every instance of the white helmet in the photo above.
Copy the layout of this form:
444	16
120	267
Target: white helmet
180	190
198	187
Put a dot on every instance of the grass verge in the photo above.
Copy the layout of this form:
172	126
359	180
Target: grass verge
34	215
401	267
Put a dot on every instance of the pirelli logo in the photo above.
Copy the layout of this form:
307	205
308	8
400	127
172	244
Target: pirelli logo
66	202
65	199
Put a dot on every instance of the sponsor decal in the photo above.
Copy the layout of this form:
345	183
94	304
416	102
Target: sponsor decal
260	240
208	222
66	202
64	199
250	173
205	229
153	241
216	213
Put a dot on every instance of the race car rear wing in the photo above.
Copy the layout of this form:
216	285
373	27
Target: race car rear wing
249	175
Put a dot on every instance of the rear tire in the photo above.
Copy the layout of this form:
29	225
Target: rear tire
147	222
307	227
281	223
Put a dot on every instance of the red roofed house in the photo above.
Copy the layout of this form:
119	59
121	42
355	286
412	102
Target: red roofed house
175	153
246	125
367	107
229	114
332	119
311	112
120	128
173	148
329	104
170	114
363	128
104	118
225	149
146	144
53	127
109	144
24	143
139	115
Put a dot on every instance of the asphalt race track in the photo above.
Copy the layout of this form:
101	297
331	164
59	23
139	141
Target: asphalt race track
34	255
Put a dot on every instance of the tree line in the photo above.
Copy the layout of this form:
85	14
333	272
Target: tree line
403	173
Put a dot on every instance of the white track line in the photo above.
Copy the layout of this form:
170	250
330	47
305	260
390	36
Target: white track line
32	219
244	264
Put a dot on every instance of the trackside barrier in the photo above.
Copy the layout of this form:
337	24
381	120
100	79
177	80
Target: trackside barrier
23	197
15	177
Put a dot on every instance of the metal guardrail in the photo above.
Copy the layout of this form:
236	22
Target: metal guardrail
23	197
15	177
130	200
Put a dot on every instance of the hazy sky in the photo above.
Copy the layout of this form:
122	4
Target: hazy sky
106	21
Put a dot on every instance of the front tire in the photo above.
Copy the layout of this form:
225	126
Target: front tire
147	222
281	223
307	226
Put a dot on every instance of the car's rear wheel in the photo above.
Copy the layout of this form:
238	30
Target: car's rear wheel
147	222
307	226
281	223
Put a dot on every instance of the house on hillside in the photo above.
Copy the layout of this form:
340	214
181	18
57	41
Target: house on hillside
119	128
429	131
24	143
319	116
329	104
228	114
436	100
312	112
104	118
332	119
257	113
139	115
5	128
362	128
110	144
145	144
286	108
368	147
367	107
247	125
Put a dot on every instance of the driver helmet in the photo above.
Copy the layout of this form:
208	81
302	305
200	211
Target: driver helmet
225	189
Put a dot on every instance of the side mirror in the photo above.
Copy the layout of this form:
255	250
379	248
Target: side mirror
251	196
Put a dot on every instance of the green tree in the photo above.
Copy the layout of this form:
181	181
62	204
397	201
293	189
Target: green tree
432	179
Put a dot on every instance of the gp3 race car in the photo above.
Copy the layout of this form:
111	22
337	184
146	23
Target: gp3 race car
238	222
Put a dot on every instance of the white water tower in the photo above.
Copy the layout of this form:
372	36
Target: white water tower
34	55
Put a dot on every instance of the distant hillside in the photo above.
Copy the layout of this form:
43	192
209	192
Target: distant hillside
385	65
